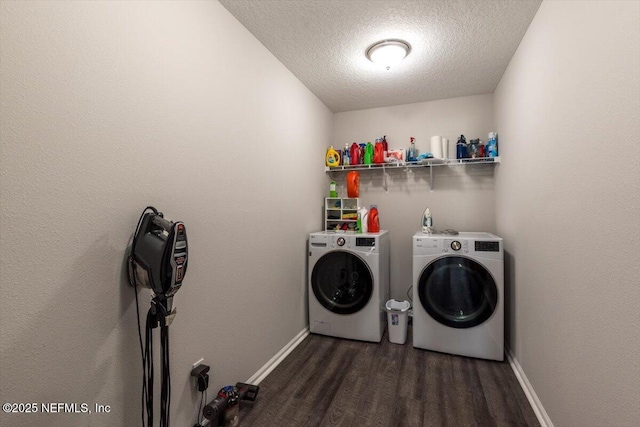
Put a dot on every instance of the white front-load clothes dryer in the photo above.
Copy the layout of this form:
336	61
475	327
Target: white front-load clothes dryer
348	284
458	294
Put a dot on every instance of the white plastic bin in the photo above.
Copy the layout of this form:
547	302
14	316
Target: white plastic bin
397	315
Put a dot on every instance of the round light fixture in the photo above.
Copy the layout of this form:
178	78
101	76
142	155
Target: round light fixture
388	53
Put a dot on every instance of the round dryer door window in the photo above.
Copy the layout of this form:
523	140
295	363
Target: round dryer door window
458	292
342	282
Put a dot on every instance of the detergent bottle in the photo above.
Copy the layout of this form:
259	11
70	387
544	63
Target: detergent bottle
363	218
354	155
353	184
368	153
378	152
332	157
373	223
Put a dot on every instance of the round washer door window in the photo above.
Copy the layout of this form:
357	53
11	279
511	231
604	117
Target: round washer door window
342	282
457	292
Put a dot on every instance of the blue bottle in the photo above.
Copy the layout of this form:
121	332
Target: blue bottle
412	152
492	145
461	148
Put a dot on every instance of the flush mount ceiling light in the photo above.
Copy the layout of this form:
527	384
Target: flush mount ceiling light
388	53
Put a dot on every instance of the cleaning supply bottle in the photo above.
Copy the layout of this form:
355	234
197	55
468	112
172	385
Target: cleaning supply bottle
332	157
368	153
427	221
385	146
354	155
378	152
353	184
345	155
373	223
412	153
363	218
492	145
332	189
461	148
472	148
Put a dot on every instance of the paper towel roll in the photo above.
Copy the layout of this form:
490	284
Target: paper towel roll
436	147
445	148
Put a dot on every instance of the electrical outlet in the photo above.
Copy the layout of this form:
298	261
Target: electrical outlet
199	362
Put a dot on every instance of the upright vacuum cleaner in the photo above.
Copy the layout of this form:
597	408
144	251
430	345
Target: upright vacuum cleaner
158	261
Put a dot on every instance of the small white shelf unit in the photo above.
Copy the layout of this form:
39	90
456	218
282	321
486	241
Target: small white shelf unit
340	213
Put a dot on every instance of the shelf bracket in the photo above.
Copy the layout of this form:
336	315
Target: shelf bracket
384	179
430	178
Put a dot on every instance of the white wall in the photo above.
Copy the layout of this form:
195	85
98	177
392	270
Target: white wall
463	196
108	107
568	197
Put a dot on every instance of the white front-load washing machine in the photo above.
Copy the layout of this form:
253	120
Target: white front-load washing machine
458	294
348	284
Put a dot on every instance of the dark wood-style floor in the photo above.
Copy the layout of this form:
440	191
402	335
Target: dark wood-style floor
335	382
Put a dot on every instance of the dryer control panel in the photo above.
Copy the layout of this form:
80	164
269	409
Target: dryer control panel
481	244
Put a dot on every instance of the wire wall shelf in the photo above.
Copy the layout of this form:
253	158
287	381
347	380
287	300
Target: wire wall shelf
419	164
424	163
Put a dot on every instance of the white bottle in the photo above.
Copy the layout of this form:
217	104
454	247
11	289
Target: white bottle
345	155
364	217
427	222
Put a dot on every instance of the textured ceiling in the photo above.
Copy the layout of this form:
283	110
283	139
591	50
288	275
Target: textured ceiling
459	47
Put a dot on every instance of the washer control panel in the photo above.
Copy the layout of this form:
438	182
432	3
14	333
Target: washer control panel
365	241
450	245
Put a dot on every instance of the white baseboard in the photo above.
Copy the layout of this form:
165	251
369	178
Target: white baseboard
532	397
262	373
